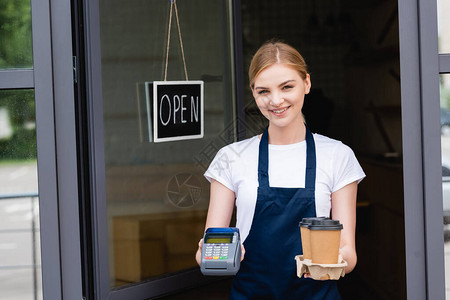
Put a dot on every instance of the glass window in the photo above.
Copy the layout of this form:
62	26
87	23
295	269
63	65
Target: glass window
445	148
20	266
444	25
156	194
15	34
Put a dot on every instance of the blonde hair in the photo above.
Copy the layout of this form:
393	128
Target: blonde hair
276	52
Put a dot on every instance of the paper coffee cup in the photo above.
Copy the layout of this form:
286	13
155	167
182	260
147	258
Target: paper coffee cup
305	235
325	237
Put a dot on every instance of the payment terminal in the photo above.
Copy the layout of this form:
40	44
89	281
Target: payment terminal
221	251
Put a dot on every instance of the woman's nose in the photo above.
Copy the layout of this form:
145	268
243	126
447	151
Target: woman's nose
276	100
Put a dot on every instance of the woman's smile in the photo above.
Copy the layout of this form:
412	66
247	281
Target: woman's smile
280	112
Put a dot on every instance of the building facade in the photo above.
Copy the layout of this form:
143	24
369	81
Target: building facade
121	212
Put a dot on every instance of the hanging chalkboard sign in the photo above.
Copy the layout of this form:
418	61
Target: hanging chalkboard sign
176	108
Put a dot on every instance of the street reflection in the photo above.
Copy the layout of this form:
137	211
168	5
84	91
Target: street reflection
445	150
20	266
20	271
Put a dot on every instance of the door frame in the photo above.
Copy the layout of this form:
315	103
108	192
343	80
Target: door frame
420	64
52	80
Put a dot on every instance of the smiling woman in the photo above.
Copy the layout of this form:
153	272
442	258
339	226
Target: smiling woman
278	178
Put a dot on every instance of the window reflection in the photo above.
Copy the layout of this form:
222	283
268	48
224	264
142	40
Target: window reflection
15	34
156	194
445	147
444	25
20	270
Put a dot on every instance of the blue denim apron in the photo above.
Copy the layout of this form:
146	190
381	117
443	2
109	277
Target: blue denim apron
268	270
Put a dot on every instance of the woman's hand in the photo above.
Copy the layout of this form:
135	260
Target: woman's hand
242	252
198	255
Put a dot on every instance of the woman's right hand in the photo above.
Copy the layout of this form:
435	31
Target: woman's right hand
198	255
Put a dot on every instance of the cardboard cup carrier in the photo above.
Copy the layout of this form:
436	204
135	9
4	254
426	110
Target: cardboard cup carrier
320	241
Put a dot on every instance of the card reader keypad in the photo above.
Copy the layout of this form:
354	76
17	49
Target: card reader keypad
221	251
216	251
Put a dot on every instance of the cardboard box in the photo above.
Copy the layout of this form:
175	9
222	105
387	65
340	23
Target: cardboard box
151	245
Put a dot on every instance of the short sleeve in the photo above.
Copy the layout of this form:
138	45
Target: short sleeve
346	168
220	168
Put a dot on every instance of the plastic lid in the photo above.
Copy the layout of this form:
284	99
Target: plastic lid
308	221
325	224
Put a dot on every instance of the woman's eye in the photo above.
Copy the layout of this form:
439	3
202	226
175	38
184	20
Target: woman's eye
287	87
262	92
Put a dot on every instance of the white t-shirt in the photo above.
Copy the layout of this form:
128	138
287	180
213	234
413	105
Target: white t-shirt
236	167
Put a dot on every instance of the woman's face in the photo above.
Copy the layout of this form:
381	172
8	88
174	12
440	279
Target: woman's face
279	92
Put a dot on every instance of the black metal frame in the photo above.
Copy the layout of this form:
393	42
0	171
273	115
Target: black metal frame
83	157
46	153
431	149
444	63
17	79
412	153
239	70
420	67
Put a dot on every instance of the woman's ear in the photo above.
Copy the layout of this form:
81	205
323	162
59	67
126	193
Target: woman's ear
307	83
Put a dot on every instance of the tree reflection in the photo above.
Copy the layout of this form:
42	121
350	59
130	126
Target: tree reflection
15	34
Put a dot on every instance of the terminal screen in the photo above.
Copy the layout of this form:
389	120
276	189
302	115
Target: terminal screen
218	239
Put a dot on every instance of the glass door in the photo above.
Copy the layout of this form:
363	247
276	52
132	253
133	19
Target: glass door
150	196
444	83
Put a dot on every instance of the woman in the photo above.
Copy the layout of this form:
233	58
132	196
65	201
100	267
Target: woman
307	176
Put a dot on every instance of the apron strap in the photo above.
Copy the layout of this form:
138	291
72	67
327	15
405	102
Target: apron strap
310	180
263	160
